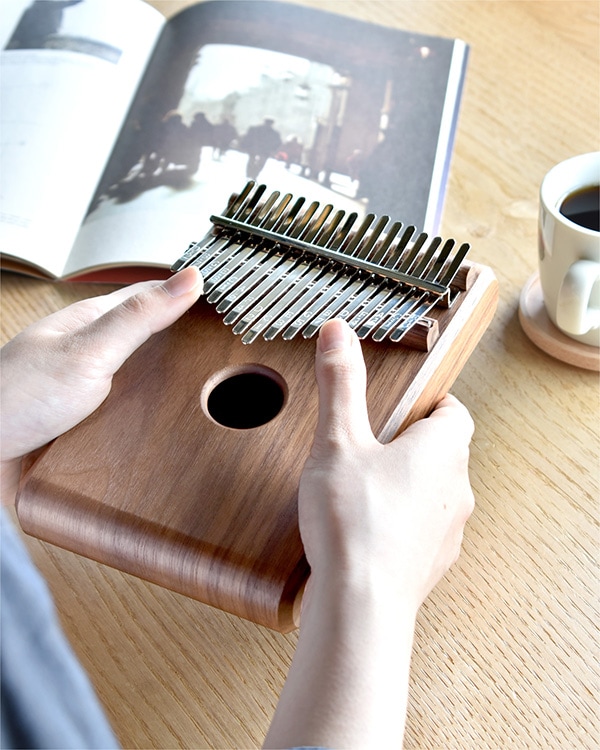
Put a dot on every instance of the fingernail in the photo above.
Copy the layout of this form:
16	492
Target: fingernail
334	334
183	282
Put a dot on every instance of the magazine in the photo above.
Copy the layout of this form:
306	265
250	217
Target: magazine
122	132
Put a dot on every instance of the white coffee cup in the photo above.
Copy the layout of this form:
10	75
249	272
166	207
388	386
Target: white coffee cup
569	253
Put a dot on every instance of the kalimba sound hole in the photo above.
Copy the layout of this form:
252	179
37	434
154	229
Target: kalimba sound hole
246	399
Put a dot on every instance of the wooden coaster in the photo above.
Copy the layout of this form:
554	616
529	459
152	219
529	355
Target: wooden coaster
541	330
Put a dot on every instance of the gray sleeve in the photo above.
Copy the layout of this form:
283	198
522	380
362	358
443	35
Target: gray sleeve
47	699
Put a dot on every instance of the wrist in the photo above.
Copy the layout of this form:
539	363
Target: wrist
365	585
348	685
371	596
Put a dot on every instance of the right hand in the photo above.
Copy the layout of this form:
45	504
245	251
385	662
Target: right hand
392	513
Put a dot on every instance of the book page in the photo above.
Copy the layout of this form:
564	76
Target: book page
70	69
311	103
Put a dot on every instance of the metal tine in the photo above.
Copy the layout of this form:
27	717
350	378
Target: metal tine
268	306
275	213
340	237
426	259
352	246
377	296
231	210
275	264
319	235
355	293
311	291
381	312
440	260
456	263
225	240
374	295
389	317
316	225
241	277
317	290
295	223
229	278
288	273
260	255
321	296
250	204
311	287
216	253
253	262
339	288
217	242
261	296
241	207
302	222
195	249
286	219
398	258
360	300
406	263
330	305
404	260
231	253
307	226
384	314
401	251
288	306
404	327
225	265
262	210
328	233
211	239
370	303
381	251
281	279
246	248
330	299
422	263
228	255
249	292
370	241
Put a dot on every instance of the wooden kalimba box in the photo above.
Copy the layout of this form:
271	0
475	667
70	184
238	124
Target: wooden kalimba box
187	474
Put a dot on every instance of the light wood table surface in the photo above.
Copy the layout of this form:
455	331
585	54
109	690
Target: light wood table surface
506	651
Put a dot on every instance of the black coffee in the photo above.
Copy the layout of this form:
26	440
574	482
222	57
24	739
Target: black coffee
583	207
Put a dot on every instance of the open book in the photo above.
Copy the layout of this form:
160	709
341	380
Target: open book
123	132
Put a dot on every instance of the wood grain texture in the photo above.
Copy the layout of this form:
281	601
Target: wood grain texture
506	649
152	485
536	323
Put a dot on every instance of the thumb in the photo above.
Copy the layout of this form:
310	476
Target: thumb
342	381
117	333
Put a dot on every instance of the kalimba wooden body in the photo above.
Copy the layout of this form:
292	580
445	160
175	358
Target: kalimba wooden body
159	484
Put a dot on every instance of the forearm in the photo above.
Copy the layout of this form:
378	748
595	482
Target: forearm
348	683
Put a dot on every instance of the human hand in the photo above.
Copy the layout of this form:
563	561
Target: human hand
381	524
392	513
59	370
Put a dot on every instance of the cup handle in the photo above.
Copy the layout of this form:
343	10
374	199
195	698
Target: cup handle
578	305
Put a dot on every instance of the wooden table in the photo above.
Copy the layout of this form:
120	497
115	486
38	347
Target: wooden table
505	652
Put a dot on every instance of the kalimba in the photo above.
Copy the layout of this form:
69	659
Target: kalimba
187	474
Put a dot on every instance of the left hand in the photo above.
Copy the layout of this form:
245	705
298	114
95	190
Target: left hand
59	370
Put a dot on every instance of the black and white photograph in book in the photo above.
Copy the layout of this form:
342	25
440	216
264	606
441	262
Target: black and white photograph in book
59	25
323	106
